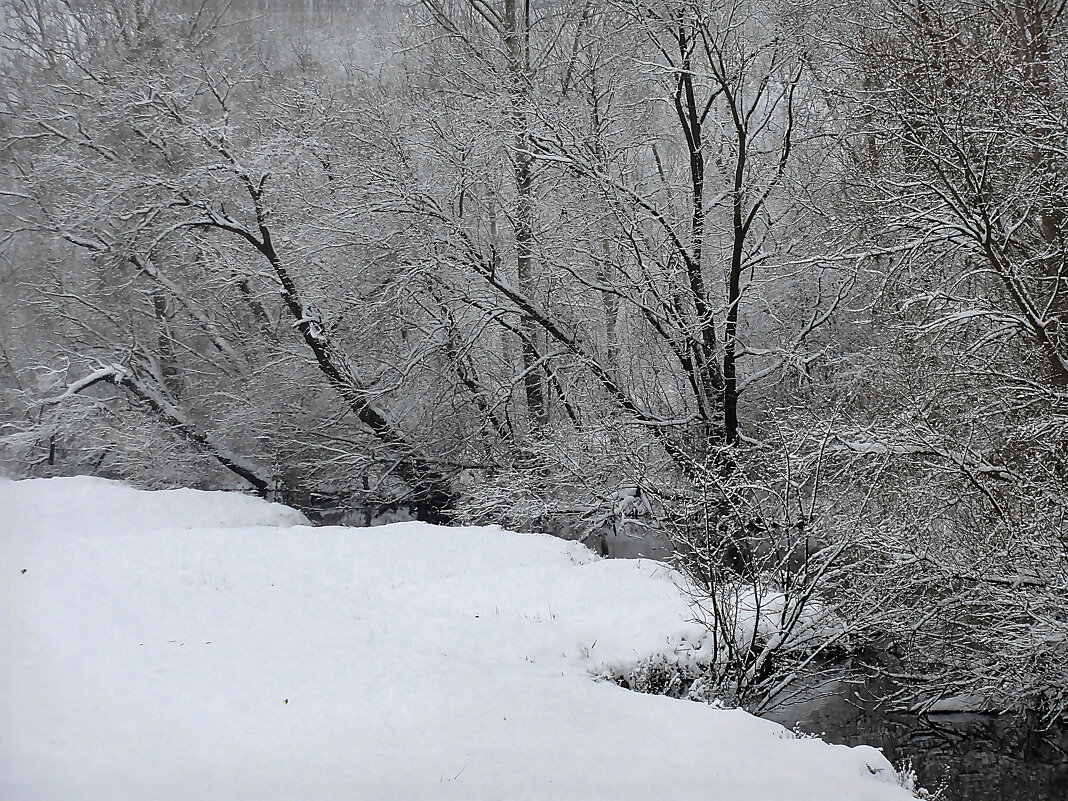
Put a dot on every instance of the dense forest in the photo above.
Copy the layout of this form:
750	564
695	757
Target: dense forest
785	281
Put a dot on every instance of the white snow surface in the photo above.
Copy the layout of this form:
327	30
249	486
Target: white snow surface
187	645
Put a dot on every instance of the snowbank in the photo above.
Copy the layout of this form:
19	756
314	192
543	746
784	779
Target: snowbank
58	506
189	645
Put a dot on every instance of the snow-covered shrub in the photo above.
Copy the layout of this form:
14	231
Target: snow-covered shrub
573	484
907	778
765	556
659	676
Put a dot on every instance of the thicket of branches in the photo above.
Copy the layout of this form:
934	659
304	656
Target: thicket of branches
785	281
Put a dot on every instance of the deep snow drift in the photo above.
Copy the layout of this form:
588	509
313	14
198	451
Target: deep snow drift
187	645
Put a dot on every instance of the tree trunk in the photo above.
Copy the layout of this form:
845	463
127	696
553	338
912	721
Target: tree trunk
517	46
126	378
709	381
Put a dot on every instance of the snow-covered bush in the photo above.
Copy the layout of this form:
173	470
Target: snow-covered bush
658	675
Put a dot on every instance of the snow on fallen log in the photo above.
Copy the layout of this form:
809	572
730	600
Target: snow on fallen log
113	373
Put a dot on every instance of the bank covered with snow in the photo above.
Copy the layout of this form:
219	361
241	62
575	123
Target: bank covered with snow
190	645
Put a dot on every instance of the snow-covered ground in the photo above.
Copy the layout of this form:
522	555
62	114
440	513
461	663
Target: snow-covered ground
186	645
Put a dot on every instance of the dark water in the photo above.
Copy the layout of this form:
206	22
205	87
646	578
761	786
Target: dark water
630	541
973	757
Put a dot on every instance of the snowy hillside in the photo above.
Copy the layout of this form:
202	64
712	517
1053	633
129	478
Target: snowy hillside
188	645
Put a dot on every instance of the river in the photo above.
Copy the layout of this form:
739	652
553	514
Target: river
972	757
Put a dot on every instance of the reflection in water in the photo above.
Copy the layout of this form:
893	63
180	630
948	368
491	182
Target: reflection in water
975	757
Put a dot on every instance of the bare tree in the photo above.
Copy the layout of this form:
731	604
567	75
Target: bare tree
159	167
962	166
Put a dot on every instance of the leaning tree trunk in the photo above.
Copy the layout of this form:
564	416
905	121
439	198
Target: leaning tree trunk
156	398
431	492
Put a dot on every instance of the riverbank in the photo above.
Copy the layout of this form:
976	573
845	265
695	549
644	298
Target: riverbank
186	645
